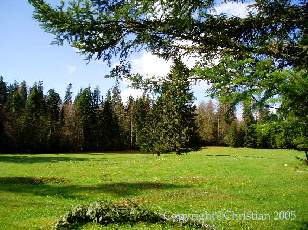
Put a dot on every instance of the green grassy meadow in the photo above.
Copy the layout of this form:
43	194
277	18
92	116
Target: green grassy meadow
35	190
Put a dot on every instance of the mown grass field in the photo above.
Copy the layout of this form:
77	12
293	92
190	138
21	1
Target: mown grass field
35	190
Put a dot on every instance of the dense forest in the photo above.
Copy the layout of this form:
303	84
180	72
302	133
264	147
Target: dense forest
258	61
32	121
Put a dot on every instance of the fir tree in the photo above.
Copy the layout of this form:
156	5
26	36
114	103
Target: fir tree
173	117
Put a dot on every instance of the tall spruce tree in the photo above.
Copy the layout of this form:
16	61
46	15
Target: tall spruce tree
35	122
16	108
225	116
119	117
207	123
130	122
85	119
142	124
173	118
111	133
53	103
232	138
248	125
3	115
67	122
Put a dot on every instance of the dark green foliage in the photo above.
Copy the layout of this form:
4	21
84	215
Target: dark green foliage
104	29
232	139
111	133
248	125
143	113
42	123
84	111
225	116
171	124
68	95
4	139
262	84
34	132
126	212
207	123
118	130
53	103
263	59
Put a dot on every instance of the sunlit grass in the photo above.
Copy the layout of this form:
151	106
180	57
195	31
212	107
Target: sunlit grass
35	190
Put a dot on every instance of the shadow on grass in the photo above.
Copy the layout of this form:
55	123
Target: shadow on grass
121	189
32	180
304	226
38	159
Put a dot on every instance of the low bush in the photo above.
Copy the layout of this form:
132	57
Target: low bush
104	213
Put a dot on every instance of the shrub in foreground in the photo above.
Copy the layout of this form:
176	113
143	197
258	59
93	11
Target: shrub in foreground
104	213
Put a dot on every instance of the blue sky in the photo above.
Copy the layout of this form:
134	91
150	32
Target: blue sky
26	54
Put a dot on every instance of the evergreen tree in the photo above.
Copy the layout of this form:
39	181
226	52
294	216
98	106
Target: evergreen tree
225	116
232	138
130	122
142	121
3	115
272	29
53	103
248	125
207	123
173	118
85	119
111	134
263	137
68	94
35	122
97	125
67	122
16	108
119	117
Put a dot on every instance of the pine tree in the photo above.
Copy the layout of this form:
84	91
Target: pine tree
3	115
142	121
67	122
173	117
68	94
232	138
119	117
130	122
17	98
53	103
97	125
111	134
225	116
85	119
207	123
248	125
35	122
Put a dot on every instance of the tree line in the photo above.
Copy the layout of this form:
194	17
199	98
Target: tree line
262	57
31	121
257	127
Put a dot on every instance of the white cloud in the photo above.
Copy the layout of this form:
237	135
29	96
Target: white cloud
126	93
151	65
238	9
71	69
